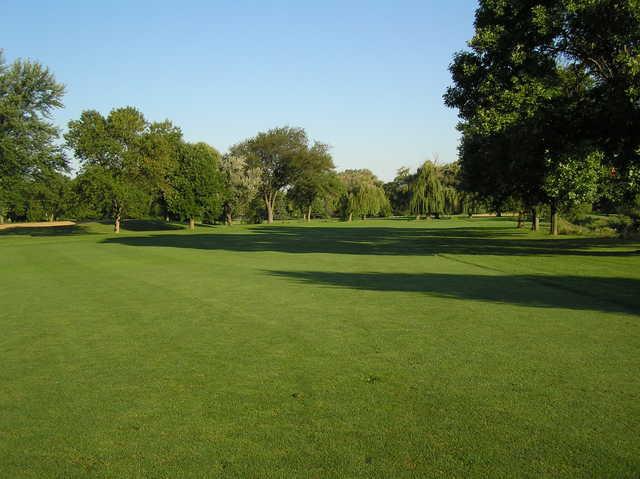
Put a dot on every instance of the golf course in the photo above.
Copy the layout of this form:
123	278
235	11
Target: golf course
385	348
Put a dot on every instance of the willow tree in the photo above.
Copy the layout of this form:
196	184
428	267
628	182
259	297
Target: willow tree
427	192
362	195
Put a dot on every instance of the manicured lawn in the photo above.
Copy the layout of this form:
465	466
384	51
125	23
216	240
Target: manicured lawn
452	348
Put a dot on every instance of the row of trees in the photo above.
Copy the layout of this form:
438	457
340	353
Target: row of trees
132	167
549	100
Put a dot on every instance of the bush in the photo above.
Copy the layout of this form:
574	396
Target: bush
627	227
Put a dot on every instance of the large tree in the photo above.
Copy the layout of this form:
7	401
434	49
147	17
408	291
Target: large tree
28	95
119	177
545	81
197	183
276	153
313	177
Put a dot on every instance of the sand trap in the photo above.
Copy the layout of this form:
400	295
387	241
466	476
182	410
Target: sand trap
41	224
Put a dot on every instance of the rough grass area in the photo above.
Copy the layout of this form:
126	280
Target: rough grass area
453	348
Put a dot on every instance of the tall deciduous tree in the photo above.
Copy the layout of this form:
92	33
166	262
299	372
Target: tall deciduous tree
313	177
275	153
197	183
28	95
118	176
398	191
541	80
241	186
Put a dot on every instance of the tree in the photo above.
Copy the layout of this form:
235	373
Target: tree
49	197
572	181
275	153
28	95
398	191
160	149
362	195
427	193
241	186
313	176
540	81
197	184
118	176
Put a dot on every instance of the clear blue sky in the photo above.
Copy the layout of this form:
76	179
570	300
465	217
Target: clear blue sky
365	77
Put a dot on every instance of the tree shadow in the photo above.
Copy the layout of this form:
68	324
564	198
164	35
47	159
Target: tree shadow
569	292
145	225
367	240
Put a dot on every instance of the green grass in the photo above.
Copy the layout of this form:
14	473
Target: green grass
390	349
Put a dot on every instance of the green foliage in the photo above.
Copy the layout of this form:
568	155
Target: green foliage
28	150
242	184
314	177
125	160
197	183
28	95
427	192
362	195
398	191
573	179
539	83
275	154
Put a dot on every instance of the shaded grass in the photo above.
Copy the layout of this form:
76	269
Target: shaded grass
379	349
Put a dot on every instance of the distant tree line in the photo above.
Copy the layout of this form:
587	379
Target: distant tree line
130	167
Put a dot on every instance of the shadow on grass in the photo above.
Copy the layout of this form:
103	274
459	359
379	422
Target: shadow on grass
87	229
362	240
571	292
146	225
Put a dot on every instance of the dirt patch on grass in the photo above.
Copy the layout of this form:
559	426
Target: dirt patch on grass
40	224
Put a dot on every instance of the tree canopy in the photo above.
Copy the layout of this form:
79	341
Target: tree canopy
543	82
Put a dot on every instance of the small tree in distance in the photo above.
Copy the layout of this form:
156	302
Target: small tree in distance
427	193
362	196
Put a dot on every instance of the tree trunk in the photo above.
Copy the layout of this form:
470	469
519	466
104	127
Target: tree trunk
350	217
51	218
554	218
535	220
1	219
116	226
269	201
498	214
520	219
228	218
309	214
417	217
192	224
166	218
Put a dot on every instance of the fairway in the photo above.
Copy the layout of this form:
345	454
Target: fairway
383	348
